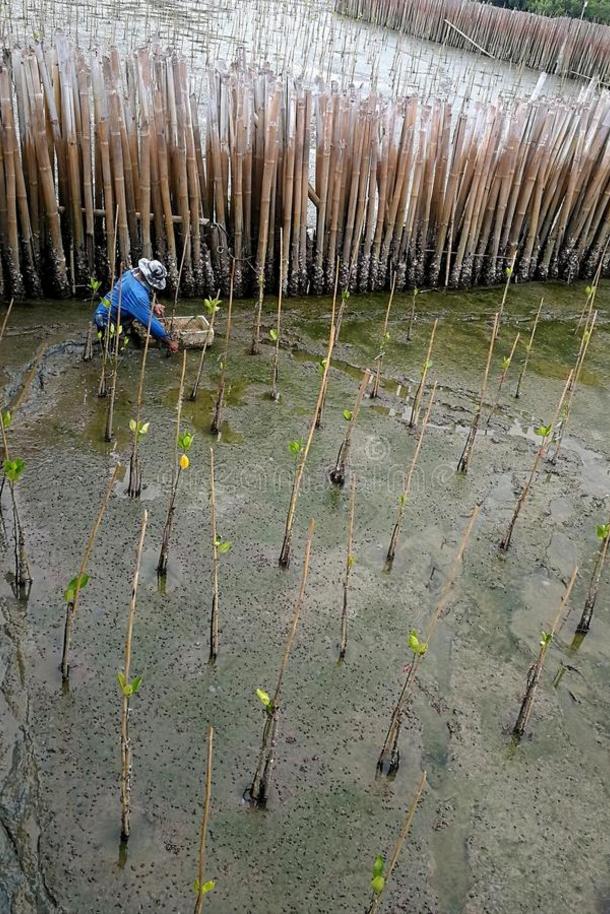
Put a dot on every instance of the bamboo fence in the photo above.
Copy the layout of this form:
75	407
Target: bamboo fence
434	190
560	45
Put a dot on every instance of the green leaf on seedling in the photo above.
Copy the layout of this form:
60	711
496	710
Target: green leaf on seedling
141	426
203	888
378	866
415	291
402	499
544	430
94	284
386	336
129	688
602	531
223	546
273	334
13	469
377	884
185	440
427	366
589	291
322	365
5	418
545	638
351	561
265	699
345	295
77	583
506	362
509	272
211	305
99	334
418	647
348	415
295	447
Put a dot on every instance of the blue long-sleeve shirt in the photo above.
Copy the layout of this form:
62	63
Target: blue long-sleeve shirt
135	306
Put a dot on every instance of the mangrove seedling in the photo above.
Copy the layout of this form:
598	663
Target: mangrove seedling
337	323
5	318
94	286
136	426
415	408
183	444
284	559
115	335
201	886
72	592
567	406
603	535
388	761
129	687
381	874
212	306
385	337
13	468
412	316
544	432
337	474
220	396
219	547
258	792
535	671
506	363
349	564
407	485
466	456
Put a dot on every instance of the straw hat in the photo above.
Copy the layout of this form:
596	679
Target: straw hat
153	272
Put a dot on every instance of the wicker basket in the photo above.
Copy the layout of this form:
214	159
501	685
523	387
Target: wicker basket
191	332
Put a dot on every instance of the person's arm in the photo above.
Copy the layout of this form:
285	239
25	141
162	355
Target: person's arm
139	306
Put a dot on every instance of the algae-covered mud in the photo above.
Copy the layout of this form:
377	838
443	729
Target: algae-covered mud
502	828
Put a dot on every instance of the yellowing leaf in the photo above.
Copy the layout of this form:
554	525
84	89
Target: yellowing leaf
184	462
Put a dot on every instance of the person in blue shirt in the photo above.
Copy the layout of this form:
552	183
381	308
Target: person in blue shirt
135	289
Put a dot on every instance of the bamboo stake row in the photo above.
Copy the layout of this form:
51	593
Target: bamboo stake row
427	191
558	44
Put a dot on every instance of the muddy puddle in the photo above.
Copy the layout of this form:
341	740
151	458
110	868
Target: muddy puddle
498	831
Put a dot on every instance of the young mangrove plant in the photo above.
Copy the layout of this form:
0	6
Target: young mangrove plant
414	295
338	317
4	324
13	468
184	442
220	396
506	363
603	535
349	564
566	411
116	335
535	671
137	426
385	337
545	432
389	757
303	451
404	496
381	874
129	687
416	406
337	474
528	350
255	346
94	286
212	306
258	792
202	886
72	591
466	456
220	547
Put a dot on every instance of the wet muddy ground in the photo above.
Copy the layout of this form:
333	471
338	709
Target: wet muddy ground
499	830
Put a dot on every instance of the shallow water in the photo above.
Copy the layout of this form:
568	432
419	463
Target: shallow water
498	831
